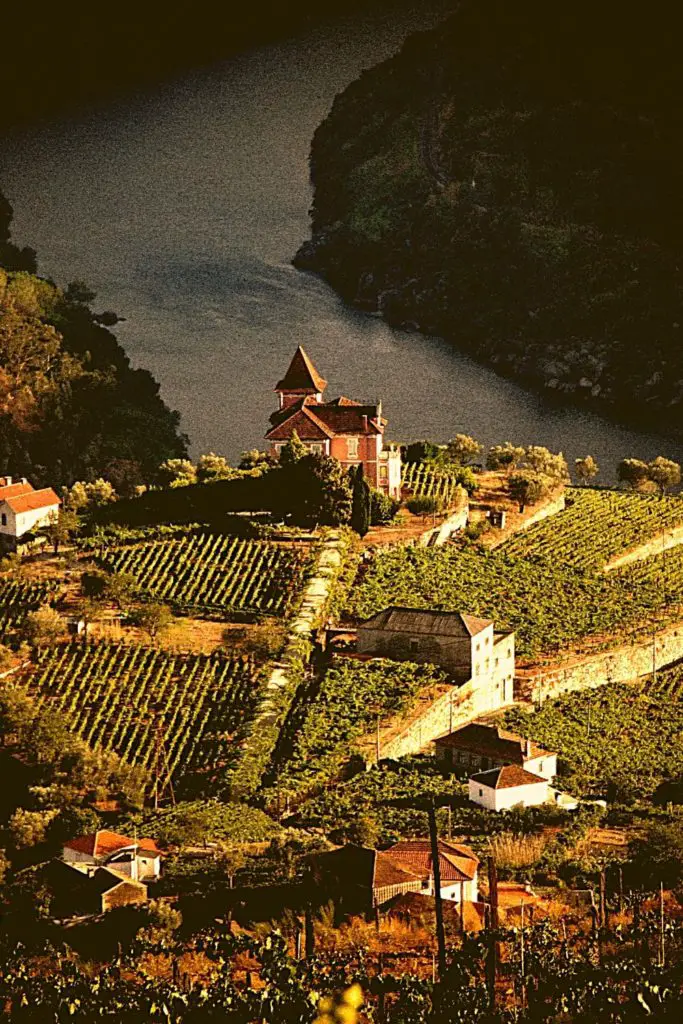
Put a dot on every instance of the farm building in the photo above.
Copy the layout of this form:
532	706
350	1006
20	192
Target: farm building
484	746
347	430
357	878
499	789
466	646
458	866
136	859
23	509
76	893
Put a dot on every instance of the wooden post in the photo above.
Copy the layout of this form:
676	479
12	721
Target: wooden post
310	933
662	958
603	901
522	968
493	955
438	904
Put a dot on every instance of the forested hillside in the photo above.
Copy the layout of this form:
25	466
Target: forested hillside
71	406
510	181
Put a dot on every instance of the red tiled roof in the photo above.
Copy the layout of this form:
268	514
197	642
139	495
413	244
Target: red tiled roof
457	863
491	741
103	843
313	419
301	375
12	490
33	500
308	427
386	872
507	777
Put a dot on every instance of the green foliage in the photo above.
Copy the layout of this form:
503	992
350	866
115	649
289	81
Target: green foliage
586	468
420	451
547	584
293	451
382	508
198	823
505	456
155	618
424	505
618	741
200	702
214	572
315	491
633	472
463	449
43	627
361	502
29	828
17	599
330	714
439	480
527	488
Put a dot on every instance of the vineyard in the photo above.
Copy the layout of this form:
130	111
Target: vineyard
667	683
552	605
596	525
618	741
424	480
214	573
116	696
17	598
328	714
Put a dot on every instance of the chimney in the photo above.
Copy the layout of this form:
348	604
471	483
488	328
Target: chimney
8	481
379	408
365	424
527	748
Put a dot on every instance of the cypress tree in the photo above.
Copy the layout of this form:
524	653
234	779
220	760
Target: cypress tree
360	511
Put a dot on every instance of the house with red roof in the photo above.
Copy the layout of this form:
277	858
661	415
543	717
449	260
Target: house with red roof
23	509
499	789
458	867
468	647
136	859
485	745
349	431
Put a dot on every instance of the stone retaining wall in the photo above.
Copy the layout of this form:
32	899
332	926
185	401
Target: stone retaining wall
657	546
549	509
618	665
438	536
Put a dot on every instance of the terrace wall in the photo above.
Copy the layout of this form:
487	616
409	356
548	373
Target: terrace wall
620	665
657	546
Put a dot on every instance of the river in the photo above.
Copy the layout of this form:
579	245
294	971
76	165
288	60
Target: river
182	207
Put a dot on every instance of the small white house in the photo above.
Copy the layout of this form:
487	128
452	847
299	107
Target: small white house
23	509
510	786
138	859
486	745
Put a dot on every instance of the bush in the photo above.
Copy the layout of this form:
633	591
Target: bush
422	505
382	508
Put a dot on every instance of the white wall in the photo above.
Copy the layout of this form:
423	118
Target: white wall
19	524
503	799
545	766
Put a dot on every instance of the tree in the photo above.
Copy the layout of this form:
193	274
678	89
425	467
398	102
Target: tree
177	473
231	860
84	496
293	451
28	828
526	488
634	473
364	831
121	588
315	490
586	469
541	460
213	467
255	459
382	508
154	618
505	456
420	451
91	609
423	505
71	822
463	449
665	473
60	528
43	627
361	501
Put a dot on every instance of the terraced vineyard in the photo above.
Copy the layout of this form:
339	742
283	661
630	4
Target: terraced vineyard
17	598
215	573
425	480
113	696
667	683
551	605
596	526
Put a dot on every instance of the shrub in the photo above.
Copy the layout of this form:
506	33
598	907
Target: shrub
422	505
382	508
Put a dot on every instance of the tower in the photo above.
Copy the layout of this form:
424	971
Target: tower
302	380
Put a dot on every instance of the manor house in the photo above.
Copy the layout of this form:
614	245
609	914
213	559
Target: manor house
347	430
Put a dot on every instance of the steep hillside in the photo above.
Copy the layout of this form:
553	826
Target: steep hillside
510	181
71	406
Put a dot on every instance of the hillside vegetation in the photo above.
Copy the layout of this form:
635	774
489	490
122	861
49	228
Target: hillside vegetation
509	181
71	405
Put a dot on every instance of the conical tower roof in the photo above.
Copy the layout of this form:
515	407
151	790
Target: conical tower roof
301	376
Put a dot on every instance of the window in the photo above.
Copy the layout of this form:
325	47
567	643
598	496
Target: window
481	792
352	447
384	473
540	766
414	644
477	646
487	640
4	519
315	447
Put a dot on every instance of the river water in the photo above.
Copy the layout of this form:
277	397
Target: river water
182	207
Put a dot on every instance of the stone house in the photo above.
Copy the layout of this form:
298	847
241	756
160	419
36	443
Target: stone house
484	746
23	509
349	431
458	866
466	646
499	789
75	893
136	859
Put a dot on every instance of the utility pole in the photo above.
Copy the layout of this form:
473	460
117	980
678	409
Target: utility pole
661	925
493	956
522	968
438	903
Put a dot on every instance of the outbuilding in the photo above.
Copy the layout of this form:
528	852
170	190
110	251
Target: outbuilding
499	789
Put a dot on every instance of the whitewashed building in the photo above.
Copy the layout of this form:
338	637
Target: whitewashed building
499	789
138	859
484	745
458	867
23	509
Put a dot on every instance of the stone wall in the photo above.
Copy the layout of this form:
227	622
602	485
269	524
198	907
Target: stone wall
657	546
549	509
457	707
438	536
618	665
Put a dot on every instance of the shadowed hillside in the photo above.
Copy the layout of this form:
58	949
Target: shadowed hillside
510	181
